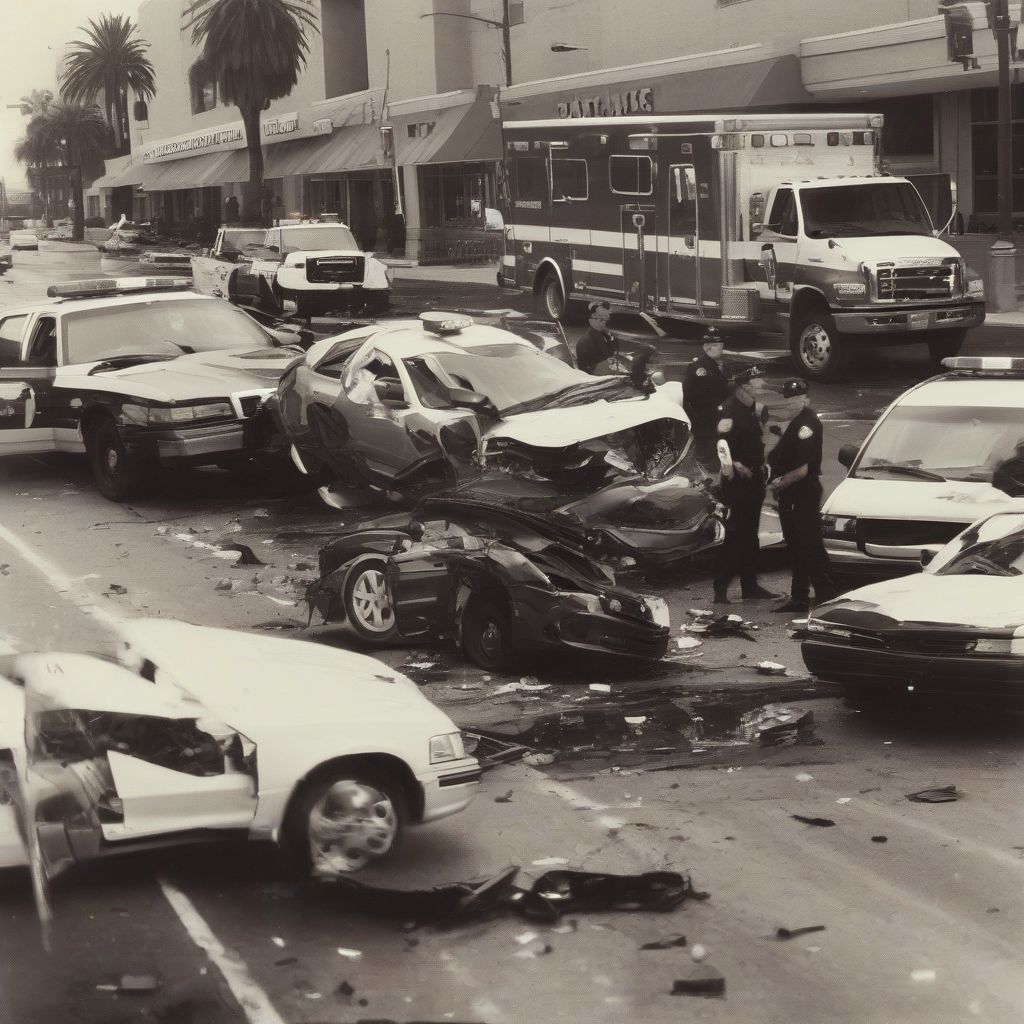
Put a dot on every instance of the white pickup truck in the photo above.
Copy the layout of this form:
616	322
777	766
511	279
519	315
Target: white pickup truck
318	266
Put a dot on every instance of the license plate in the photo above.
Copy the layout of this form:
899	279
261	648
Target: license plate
659	610
918	321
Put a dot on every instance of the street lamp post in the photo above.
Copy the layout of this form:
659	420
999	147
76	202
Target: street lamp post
506	35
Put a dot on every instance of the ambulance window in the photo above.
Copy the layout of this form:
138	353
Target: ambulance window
569	180
529	182
11	331
783	217
630	175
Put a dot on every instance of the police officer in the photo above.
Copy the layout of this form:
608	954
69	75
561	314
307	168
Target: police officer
598	343
739	425
795	470
704	389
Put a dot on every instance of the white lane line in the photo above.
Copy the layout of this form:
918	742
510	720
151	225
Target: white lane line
254	1002
70	589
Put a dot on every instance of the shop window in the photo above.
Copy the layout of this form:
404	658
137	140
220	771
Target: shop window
343	31
528	181
569	180
630	175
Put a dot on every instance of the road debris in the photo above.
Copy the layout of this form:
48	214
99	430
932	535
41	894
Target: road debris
771	668
538	759
278	941
506	799
672	942
939	795
701	980
879	839
350	954
116	588
923	974
819	822
246	553
792	933
774	725
600	688
137	984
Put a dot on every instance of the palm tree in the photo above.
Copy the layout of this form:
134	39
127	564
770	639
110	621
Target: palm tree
37	154
77	132
111	61
36	102
254	51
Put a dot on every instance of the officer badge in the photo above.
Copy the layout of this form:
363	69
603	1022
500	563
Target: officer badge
724	426
701	372
805	433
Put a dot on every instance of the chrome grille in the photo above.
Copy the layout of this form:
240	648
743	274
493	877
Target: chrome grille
331	269
907	284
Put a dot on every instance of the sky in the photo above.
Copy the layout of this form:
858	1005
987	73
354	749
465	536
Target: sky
36	34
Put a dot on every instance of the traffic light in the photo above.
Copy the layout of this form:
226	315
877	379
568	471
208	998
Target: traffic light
960	24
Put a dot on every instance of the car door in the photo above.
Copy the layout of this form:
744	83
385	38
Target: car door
683	270
26	391
422	587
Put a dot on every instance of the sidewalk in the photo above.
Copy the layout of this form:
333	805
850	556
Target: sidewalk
486	273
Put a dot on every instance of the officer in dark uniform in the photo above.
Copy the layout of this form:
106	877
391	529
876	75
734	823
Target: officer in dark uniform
704	389
739	425
598	343
795	471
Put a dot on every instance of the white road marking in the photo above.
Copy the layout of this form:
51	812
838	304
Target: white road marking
251	998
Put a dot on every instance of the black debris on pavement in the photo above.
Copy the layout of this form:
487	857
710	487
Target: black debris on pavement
819	822
116	588
702	981
286	961
792	933
491	752
247	553
939	795
673	942
506	799
879	839
137	984
345	989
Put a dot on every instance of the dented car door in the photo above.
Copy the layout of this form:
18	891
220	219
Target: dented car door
422	587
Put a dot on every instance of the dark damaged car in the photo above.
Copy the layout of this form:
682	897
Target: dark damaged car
496	581
955	628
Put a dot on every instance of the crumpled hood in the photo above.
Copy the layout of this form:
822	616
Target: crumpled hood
987	602
203	375
894	247
559	428
950	501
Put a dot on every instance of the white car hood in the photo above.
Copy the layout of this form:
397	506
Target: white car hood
559	428
319	254
988	602
917	500
895	247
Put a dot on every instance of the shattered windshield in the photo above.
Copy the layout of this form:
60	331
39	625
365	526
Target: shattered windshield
948	443
317	236
508	374
856	211
159	328
994	547
238	239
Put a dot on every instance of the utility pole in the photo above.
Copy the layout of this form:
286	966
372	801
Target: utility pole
506	34
1001	28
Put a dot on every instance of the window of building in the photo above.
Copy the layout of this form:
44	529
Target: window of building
343	31
984	148
528	181
569	180
516	12
204	92
630	175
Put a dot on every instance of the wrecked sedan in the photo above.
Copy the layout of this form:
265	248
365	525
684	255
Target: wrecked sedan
497	581
956	627
137	373
412	404
199	734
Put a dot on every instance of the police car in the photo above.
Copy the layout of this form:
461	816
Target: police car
945	453
136	373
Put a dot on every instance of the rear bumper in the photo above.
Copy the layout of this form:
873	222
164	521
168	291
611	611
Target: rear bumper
899	320
449	788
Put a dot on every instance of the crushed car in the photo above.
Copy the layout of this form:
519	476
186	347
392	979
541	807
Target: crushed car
437	400
196	734
137	373
957	627
496	581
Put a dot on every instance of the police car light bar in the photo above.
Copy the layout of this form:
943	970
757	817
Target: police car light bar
115	286
444	323
984	364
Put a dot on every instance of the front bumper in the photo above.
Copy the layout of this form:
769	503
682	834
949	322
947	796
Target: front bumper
895	671
448	788
850	557
901	320
608	634
193	444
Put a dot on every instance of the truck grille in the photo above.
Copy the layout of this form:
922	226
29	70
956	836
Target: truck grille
907	642
334	269
901	532
914	283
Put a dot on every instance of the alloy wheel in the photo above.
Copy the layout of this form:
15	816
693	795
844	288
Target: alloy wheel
350	825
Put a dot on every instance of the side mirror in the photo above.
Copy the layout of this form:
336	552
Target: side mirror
926	557
847	454
463	398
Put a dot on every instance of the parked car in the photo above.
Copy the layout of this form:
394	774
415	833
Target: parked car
202	734
941	455
137	373
418	403
24	239
497	581
956	627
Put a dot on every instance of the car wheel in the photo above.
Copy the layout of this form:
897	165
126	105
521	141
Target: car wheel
819	351
944	347
368	604
117	475
487	633
345	819
550	298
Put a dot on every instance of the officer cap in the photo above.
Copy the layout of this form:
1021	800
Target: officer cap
737	380
793	387
712	337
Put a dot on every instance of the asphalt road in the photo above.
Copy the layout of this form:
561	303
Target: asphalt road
924	927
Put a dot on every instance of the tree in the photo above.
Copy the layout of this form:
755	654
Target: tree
111	61
77	132
254	51
36	102
38	154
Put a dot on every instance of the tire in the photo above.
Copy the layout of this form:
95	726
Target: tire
818	350
487	633
549	300
344	819
368	606
945	346
118	476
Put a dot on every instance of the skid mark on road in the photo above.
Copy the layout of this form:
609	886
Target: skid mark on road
251	998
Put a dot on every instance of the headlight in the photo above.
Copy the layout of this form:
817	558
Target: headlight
839	527
820	626
850	288
976	286
988	645
167	415
446	748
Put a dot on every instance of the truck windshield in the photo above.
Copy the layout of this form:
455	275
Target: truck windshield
975	445
856	211
317	236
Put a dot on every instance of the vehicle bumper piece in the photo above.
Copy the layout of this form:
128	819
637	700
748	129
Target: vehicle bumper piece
448	788
200	443
894	320
608	634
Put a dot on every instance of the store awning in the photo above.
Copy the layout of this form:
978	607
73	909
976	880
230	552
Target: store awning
287	158
355	148
459	134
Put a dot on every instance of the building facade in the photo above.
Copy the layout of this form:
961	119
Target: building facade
395	122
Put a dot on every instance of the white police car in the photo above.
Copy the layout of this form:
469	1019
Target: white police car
945	453
137	373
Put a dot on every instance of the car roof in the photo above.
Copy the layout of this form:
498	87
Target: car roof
73	305
970	392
